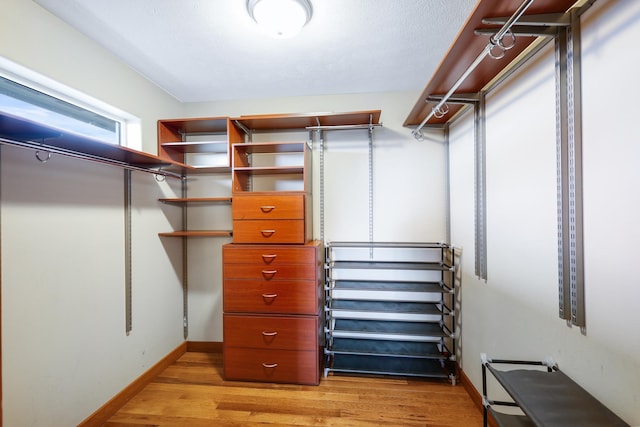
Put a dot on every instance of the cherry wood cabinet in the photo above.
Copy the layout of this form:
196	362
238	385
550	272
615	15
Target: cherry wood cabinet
272	300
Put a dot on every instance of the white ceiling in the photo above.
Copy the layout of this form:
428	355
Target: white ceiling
209	50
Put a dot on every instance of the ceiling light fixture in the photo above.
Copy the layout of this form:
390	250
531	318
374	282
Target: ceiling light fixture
280	18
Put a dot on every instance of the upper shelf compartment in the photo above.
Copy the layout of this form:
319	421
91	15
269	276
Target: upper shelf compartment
198	144
467	49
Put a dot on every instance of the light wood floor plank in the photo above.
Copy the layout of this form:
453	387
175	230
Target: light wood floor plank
191	392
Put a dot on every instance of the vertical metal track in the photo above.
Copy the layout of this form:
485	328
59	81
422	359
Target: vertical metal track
371	188
185	264
562	210
569	151
321	140
447	184
480	189
127	252
574	99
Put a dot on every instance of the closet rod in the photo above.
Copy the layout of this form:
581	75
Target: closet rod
343	127
82	156
495	40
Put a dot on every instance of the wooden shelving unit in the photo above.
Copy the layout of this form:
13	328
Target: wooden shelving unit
198	145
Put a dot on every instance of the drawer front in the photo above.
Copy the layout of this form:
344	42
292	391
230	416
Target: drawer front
275	333
269	273
269	231
280	366
268	207
269	254
273	297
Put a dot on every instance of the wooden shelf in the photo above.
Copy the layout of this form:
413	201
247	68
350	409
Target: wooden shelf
271	170
197	146
466	49
304	120
35	135
197	233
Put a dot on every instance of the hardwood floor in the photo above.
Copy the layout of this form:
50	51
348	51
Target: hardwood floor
191	392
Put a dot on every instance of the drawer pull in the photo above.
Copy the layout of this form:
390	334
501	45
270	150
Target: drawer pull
269	334
270	365
268	259
268	274
269	296
267	233
267	209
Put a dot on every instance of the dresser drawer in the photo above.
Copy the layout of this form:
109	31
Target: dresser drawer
280	366
277	332
269	254
273	297
289	206
269	231
268	273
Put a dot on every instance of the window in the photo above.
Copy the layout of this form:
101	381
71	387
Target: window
27	95
30	104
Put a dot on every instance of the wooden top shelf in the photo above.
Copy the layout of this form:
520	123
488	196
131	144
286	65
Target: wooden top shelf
466	49
18	129
207	125
305	120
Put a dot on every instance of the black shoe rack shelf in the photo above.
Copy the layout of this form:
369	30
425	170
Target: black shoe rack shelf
390	309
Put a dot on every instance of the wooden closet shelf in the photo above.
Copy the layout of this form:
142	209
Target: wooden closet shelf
466	49
304	120
35	135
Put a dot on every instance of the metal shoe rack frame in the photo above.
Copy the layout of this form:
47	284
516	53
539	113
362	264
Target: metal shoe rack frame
390	309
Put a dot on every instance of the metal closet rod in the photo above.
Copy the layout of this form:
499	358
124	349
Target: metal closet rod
343	127
494	41
82	156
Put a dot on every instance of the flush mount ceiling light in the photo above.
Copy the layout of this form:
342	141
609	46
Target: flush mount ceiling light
280	18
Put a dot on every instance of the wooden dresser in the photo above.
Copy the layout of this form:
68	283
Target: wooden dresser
273	272
272	305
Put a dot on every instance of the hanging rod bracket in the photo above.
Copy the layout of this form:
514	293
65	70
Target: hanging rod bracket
540	20
44	159
524	31
459	98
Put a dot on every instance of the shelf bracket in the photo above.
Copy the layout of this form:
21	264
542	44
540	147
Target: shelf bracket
534	20
477	101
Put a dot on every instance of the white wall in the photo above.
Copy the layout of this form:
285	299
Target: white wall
514	314
65	350
408	182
